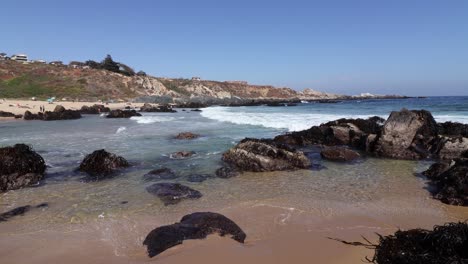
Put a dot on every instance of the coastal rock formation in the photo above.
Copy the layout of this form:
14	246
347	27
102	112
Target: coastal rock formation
265	155
339	154
60	113
453	129
444	244
101	163
162	108
30	116
187	135
122	113
451	147
407	135
192	226
182	154
20	166
160	174
436	169
6	114
227	172
172	193
450	183
94	109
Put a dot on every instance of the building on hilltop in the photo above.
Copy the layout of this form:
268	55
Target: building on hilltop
196	78
20	57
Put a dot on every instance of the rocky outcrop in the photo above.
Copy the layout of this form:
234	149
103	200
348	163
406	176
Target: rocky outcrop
187	135
20	166
451	147
265	155
192	226
159	175
30	116
60	113
160	109
122	113
6	114
172	193
453	129
339	154
101	163
182	154
450	183
94	109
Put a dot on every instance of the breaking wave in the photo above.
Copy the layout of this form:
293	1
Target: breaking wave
152	119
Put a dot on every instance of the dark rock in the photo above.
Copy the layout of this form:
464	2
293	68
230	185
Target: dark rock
192	226
314	135
182	154
122	113
94	109
60	113
444	244
30	116
196	110
59	109
173	193
6	114
451	147
275	104
18	116
160	174
453	129
198	177
328	101
163	108
436	169
19	211
407	135
20	166
187	135
264	155
339	154
372	125
192	105
451	186
102	163
227	172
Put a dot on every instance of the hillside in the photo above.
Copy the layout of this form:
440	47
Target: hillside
18	80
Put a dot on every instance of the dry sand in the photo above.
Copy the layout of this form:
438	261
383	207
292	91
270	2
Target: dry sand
18	107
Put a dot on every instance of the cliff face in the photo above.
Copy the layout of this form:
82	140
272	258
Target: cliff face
18	80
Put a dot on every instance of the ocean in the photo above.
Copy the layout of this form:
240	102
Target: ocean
109	219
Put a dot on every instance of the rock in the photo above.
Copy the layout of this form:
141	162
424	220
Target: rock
453	129
94	109
6	114
192	105
198	177
173	193
436	169
102	163
18	211
314	135
187	135
59	109
339	154
196	110
122	113
20	166
407	135
451	186
163	108
182	154
18	116
30	116
372	125
192	226
61	113
265	155
160	174
452	147
227	172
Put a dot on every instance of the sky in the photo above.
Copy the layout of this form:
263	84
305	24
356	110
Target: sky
408	47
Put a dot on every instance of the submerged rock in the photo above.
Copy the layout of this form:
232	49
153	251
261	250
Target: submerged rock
160	174
20	166
101	163
265	155
339	154
173	193
227	172
198	177
182	154
192	226
122	113
18	211
187	135
407	135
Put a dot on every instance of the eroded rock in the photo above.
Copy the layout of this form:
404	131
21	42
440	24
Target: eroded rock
339	154
101	163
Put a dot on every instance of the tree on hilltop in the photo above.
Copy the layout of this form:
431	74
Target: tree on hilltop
109	64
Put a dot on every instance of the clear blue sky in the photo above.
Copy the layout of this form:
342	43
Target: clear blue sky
407	47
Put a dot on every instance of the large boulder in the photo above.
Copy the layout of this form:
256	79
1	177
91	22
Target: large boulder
187	135
30	116
453	129
265	155
59	109
94	109
172	193
101	163
339	154
60	113
122	113
407	135
160	108
20	166
192	226
451	185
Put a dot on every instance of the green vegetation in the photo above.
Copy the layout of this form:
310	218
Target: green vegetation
110	65
176	85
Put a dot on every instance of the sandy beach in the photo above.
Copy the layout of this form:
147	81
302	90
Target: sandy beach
18	107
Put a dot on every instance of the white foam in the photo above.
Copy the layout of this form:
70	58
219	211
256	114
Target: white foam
149	119
454	118
120	130
289	121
